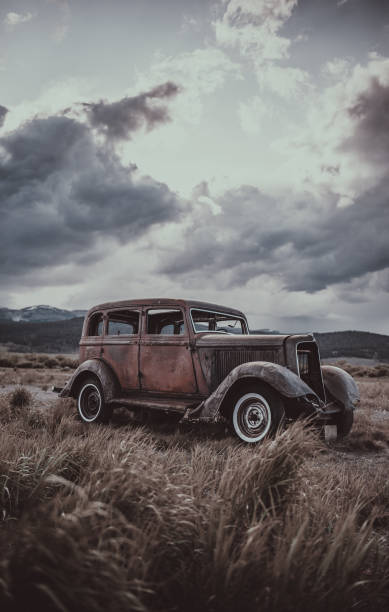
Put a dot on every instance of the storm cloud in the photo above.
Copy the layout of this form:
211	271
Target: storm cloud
307	243
118	120
297	243
371	114
3	112
62	197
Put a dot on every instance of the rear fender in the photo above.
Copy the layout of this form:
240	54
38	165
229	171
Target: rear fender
98	368
341	386
282	380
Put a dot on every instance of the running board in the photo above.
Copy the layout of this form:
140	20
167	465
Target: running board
178	406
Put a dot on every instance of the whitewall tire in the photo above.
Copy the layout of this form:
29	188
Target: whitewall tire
90	403
256	412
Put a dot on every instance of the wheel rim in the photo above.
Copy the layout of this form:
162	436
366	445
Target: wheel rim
89	402
252	417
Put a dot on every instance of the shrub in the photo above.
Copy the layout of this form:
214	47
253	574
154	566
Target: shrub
26	364
20	397
50	362
382	370
7	362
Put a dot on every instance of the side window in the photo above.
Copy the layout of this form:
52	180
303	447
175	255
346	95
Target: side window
96	325
167	322
123	323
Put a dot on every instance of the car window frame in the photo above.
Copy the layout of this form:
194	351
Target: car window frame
108	312
215	331
90	318
162	307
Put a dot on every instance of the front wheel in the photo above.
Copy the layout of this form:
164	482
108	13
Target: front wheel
344	422
256	412
344	419
90	403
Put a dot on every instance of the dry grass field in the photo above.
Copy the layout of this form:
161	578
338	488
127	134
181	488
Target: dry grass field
159	518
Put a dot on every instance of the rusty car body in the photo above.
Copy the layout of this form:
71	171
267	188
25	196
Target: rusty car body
198	360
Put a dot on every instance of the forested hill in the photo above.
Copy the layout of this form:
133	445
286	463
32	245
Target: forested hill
348	344
43	337
63	337
353	344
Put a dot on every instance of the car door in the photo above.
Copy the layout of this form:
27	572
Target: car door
121	346
91	342
166	363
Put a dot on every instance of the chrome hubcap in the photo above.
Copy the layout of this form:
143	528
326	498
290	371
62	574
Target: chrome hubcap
254	416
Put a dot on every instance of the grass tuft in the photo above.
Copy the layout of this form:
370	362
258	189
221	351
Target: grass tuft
20	397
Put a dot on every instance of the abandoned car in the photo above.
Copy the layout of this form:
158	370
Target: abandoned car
199	361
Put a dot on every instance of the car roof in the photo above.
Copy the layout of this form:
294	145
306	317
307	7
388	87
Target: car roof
163	302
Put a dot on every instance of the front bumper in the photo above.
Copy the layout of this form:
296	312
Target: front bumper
323	413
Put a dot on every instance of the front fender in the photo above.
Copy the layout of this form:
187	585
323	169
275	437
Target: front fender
284	381
100	369
341	385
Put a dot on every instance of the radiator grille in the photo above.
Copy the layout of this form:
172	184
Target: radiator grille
303	359
309	367
225	361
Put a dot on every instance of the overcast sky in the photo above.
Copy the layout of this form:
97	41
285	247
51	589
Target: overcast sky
234	151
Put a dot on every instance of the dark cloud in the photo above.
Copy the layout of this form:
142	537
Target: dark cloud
305	247
371	116
271	12
61	195
335	12
331	29
118	120
3	112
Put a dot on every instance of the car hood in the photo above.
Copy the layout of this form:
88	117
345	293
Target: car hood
221	340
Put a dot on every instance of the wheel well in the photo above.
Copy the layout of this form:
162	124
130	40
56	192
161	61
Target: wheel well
238	386
80	379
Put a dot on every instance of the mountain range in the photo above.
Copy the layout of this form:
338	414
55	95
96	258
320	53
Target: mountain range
39	314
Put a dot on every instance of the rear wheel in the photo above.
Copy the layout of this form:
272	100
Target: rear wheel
256	412
91	404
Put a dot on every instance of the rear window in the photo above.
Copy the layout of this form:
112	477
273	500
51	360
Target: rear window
123	323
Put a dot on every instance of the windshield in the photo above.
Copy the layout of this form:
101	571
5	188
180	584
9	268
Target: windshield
210	321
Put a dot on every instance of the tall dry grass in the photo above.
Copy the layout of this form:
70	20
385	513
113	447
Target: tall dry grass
128	518
380	370
37	361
